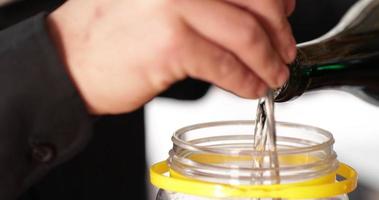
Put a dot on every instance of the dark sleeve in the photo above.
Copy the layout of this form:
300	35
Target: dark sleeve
43	121
188	89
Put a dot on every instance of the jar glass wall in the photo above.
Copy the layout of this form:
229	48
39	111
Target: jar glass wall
222	153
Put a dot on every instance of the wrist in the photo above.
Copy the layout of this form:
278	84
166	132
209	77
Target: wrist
65	34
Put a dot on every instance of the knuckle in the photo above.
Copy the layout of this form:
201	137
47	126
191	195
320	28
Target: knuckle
172	41
290	6
282	26
168	3
268	70
195	71
251	84
170	58
160	83
271	74
250	35
248	86
225	62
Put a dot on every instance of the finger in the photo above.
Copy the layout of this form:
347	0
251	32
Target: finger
272	15
239	33
206	61
290	6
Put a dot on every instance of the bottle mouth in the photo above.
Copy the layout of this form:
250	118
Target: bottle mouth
296	83
223	152
283	93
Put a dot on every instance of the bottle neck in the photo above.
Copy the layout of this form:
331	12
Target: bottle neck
348	60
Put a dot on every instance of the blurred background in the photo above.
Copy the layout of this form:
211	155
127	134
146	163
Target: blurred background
349	119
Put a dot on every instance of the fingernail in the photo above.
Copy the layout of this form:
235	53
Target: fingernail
282	76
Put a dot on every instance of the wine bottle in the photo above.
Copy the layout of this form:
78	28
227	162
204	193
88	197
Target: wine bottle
345	58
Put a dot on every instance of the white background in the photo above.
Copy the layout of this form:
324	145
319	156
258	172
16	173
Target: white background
354	123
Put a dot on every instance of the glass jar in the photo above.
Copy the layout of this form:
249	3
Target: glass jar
214	161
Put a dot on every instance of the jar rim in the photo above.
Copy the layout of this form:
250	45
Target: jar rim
223	151
176	138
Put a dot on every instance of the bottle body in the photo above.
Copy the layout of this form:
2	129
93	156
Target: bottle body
356	75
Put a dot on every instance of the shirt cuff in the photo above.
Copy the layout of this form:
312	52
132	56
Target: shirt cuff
39	101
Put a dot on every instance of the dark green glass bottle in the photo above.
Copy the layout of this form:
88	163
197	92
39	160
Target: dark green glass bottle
346	58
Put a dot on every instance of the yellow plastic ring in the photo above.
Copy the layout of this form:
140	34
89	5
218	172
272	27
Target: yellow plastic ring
309	189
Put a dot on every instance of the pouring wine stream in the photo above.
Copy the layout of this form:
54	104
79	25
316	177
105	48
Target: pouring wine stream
264	143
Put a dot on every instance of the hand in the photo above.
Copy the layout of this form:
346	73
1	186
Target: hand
120	54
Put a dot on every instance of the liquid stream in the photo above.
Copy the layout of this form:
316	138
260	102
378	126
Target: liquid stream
264	144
